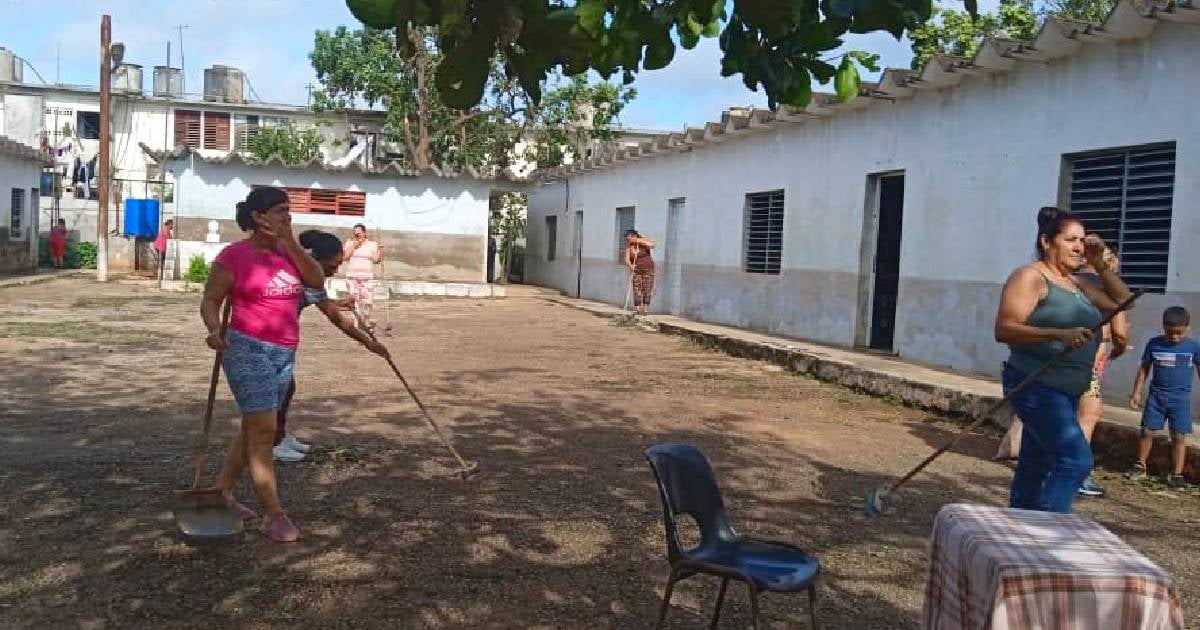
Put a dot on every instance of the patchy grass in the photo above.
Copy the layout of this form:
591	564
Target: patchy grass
149	300
78	331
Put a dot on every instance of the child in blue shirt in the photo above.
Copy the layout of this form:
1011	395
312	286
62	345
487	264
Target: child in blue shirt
1172	356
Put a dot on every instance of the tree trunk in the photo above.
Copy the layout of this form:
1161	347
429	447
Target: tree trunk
421	59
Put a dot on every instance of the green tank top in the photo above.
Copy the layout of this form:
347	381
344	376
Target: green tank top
1060	308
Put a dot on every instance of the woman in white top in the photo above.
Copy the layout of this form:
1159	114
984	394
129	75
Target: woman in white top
361	256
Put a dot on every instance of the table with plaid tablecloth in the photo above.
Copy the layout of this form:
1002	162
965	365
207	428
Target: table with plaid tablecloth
1007	569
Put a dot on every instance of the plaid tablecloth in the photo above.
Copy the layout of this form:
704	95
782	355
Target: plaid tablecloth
1005	569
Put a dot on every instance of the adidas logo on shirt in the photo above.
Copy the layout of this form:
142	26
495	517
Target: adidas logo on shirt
282	285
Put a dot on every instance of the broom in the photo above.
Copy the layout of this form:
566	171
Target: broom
879	498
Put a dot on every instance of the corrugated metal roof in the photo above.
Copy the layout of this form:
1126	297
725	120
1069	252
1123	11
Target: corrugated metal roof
1057	38
12	148
392	169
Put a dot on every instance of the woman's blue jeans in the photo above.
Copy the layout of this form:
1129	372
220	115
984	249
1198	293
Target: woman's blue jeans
1055	457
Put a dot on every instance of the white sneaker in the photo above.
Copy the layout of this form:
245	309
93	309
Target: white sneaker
291	442
284	454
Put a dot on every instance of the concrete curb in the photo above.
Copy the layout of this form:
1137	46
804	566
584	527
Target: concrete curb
1113	443
24	281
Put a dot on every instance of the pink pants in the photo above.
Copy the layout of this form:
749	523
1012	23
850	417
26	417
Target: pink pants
362	290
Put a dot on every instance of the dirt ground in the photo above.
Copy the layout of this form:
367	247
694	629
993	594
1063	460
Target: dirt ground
103	393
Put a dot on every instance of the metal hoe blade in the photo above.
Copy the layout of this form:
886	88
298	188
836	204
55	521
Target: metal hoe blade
879	501
203	517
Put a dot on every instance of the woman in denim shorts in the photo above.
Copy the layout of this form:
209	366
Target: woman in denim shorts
264	277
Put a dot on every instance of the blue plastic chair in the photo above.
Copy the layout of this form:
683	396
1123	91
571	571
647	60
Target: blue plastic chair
686	485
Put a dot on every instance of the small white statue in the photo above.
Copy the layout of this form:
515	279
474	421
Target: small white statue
213	235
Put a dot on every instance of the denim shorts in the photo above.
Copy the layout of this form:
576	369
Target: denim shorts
258	372
1163	408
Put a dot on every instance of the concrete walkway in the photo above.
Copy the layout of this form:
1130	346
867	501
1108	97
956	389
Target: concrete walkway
949	393
40	275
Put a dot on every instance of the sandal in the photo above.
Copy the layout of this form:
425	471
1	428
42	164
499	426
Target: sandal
279	528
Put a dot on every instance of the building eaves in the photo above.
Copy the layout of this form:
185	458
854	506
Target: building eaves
12	148
392	169
1058	38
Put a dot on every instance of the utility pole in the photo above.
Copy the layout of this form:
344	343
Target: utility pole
182	64
105	141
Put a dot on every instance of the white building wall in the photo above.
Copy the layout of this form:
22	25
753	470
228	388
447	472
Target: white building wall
19	251
420	204
431	228
979	160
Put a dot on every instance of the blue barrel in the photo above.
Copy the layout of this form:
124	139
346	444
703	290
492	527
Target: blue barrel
141	218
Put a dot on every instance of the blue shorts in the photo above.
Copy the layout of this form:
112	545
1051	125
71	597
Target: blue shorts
1161	409
258	372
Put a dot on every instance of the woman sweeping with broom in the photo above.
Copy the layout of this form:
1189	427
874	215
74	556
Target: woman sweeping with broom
264	277
1044	310
326	249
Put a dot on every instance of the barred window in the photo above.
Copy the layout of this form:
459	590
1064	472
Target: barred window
1126	196
763	239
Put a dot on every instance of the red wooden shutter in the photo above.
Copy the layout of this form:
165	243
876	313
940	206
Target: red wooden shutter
298	199
323	201
187	128
216	131
352	203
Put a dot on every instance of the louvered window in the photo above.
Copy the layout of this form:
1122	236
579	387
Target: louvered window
625	221
1126	196
216	131
349	203
551	238
245	127
17	215
187	128
763	245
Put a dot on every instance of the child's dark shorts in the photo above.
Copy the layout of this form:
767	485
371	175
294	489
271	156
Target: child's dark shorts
1163	409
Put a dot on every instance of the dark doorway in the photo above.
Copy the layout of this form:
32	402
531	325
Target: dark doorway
886	270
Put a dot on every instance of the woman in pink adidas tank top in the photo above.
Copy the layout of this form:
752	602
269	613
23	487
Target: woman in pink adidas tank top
264	277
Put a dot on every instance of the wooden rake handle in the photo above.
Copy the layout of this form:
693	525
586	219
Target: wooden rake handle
202	444
463	464
1020	387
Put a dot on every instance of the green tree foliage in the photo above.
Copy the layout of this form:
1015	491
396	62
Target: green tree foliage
779	45
1087	10
957	33
293	145
376	68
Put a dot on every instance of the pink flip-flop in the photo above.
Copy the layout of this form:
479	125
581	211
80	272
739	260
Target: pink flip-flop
279	528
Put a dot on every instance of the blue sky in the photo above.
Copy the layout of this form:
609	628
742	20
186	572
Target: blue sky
270	41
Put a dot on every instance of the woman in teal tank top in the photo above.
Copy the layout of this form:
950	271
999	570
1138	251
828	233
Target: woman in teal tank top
1044	310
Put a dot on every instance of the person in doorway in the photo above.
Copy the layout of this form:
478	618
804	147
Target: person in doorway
166	232
1044	310
361	255
1168	361
58	244
1113	343
326	249
641	269
264	277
